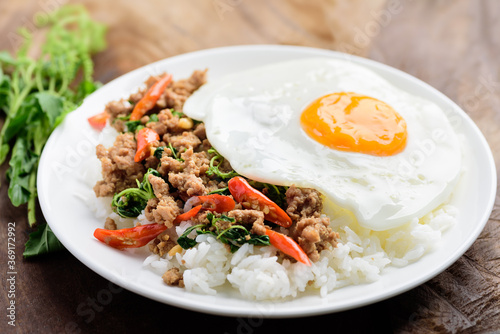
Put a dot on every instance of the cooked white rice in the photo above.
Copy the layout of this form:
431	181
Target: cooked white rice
257	273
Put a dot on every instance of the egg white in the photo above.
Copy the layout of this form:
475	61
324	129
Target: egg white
253	119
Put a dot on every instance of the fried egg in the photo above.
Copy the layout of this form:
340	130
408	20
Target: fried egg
371	148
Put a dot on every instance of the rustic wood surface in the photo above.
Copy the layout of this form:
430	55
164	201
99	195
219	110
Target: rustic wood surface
452	45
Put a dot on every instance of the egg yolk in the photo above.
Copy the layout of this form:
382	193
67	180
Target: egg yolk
355	123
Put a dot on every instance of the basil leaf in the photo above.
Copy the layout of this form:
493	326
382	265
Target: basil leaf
186	242
234	236
4	91
177	113
130	202
153	118
22	163
133	126
28	112
4	150
50	105
221	191
214	169
42	241
159	152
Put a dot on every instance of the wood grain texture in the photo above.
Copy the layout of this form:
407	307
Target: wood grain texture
452	45
455	51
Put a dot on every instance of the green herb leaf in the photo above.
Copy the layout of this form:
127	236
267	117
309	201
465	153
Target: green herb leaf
184	241
130	202
175	154
85	88
133	126
153	118
22	163
50	105
214	169
4	89
177	113
4	150
6	59
28	112
221	191
159	152
42	241
235	235
123	118
36	94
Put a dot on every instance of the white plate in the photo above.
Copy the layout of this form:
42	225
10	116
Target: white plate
73	223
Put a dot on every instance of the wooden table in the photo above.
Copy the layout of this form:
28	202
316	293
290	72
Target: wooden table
452	45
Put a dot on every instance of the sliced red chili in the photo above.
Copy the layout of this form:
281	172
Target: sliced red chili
129	237
145	138
149	100
288	246
251	198
214	202
98	121
187	215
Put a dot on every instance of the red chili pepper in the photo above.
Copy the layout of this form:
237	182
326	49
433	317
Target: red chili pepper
187	215
98	121
216	202
251	198
148	101
288	246
129	237
145	138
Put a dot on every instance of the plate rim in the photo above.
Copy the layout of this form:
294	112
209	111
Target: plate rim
311	311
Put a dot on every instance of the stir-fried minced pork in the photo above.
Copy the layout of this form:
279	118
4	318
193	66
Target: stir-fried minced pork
160	187
167	123
184	167
314	234
162	244
303	202
119	170
110	224
195	163
168	164
247	217
173	97
162	210
187	184
173	277
183	141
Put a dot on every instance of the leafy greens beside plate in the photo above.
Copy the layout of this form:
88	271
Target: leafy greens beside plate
37	94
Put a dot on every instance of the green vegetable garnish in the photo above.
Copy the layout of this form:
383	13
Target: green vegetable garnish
234	236
130	202
36	94
214	169
221	191
186	242
133	126
177	113
159	152
175	154
153	118
42	241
